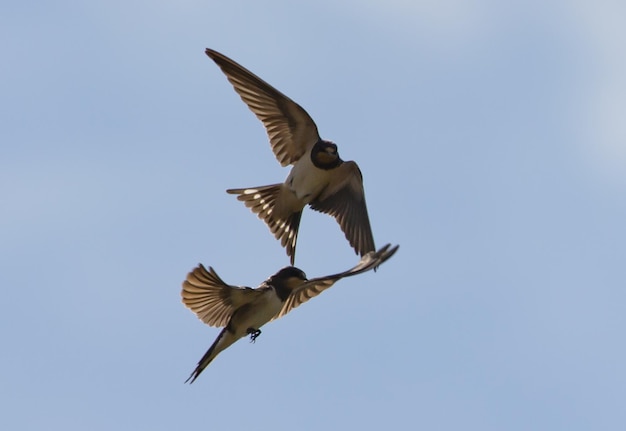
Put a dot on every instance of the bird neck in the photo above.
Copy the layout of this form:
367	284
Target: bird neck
281	289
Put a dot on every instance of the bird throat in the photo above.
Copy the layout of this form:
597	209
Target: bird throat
282	291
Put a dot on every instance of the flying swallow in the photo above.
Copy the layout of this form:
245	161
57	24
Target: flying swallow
318	178
243	310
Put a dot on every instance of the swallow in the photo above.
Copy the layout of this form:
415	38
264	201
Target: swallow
319	177
241	311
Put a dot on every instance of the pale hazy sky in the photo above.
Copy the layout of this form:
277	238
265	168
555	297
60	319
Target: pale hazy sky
492	143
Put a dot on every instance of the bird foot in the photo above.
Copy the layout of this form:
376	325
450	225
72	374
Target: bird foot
254	333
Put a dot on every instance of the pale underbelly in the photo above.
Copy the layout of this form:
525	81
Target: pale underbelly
307	184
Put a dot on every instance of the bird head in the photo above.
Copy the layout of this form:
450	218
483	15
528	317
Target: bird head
325	155
290	272
288	278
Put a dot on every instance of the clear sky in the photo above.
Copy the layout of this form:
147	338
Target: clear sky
492	141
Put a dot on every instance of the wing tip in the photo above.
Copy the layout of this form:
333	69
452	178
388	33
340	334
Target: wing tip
211	53
385	252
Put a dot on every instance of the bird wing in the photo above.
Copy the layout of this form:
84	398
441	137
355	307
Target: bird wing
212	300
315	286
344	199
290	129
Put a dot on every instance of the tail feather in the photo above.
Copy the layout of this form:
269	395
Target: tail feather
262	201
223	340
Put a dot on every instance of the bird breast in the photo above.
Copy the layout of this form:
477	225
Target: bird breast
307	181
257	313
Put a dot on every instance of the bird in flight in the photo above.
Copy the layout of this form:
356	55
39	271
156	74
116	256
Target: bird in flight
243	310
319	177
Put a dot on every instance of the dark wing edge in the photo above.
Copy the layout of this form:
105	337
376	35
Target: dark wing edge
290	129
345	201
315	286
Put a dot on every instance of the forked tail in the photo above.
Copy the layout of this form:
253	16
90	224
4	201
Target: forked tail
262	201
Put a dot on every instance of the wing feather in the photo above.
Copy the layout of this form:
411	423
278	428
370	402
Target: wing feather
344	199
315	286
290	129
212	300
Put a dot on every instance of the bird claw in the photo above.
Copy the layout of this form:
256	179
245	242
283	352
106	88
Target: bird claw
254	333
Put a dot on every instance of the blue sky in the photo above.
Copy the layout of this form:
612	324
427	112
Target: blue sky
493	147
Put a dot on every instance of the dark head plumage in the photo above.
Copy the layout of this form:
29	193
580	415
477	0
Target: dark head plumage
285	280
324	155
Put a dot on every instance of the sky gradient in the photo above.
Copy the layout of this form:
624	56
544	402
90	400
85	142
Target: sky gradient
492	143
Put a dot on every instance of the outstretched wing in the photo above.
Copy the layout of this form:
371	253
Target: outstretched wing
212	300
289	127
315	286
344	199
